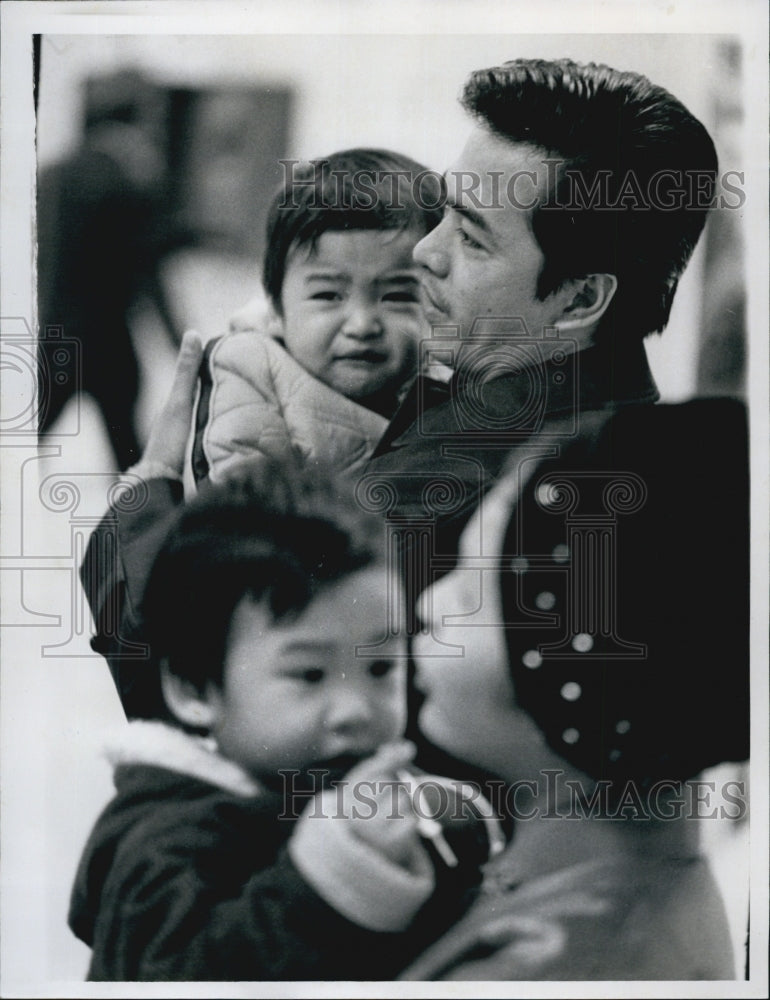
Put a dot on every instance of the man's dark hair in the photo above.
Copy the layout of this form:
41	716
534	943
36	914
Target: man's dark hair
636	147
355	189
273	533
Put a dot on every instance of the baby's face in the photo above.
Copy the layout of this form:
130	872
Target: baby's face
351	311
306	692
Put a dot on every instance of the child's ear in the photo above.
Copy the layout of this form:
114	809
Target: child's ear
186	703
589	300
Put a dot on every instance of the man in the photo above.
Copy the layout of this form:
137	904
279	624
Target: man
571	213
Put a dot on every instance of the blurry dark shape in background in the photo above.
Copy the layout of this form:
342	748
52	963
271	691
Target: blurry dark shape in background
224	148
157	168
722	350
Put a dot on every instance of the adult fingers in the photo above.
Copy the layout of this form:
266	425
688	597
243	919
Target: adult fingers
168	437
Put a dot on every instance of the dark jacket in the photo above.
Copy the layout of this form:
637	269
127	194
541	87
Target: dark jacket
447	444
443	449
196	871
182	880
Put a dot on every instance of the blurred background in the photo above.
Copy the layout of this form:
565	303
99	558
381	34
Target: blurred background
156	155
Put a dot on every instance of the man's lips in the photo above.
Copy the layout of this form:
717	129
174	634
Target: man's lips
431	302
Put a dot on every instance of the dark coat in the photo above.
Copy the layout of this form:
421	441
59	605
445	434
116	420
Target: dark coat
182	881
438	457
448	443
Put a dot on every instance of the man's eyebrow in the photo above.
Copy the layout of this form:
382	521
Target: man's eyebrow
465	210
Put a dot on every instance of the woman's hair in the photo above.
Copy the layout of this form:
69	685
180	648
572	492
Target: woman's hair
637	543
353	190
276	534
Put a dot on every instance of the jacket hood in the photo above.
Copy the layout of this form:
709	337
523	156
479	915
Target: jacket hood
155	765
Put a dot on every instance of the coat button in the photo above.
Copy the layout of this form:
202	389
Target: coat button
571	691
582	643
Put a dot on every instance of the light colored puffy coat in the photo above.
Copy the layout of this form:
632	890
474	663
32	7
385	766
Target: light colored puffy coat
256	400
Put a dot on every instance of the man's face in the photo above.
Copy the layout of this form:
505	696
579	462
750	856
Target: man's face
483	259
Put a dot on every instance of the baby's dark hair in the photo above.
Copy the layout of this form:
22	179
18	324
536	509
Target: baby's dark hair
275	534
353	190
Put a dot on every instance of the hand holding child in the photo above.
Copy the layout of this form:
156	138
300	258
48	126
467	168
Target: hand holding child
165	451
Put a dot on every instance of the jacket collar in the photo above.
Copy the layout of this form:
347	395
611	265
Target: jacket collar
156	744
596	377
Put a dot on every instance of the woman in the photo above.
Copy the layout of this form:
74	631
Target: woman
619	572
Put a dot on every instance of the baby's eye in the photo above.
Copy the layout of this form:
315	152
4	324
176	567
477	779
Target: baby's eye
326	296
403	296
380	668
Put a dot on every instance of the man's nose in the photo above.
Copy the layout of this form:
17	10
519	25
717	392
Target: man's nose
431	253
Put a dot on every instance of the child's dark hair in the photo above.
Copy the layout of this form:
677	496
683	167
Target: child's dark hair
272	533
356	189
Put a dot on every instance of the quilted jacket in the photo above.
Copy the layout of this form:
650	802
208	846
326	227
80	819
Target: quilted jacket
256	400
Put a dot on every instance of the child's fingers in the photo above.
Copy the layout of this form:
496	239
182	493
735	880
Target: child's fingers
385	763
395	755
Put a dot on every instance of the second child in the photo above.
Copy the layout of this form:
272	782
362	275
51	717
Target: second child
271	830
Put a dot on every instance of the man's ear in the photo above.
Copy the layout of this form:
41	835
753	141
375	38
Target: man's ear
187	704
590	297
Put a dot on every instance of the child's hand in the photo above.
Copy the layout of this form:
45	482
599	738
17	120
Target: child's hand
168	438
363	854
379	807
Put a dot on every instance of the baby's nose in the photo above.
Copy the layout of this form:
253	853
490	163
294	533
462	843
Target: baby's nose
349	709
362	320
